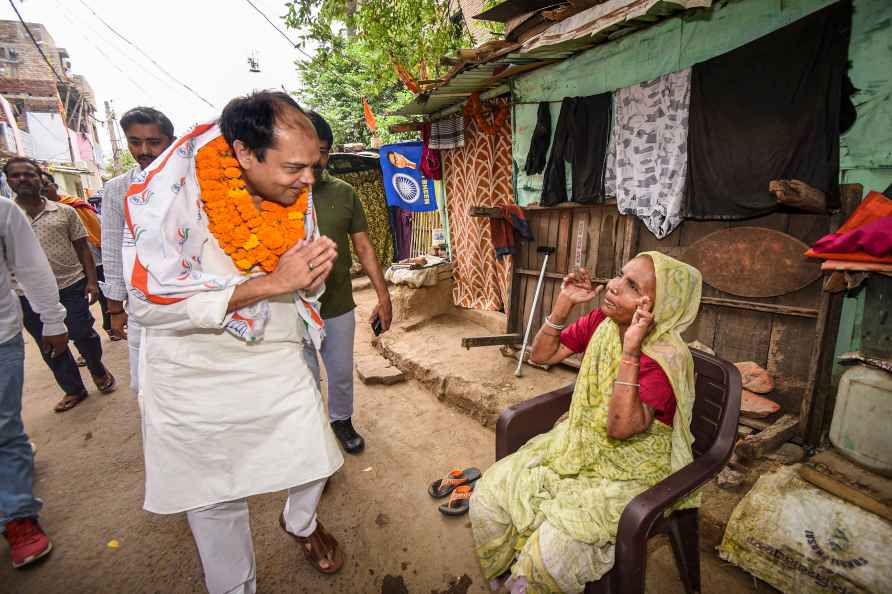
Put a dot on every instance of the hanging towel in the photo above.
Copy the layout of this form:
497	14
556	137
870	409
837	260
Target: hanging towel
648	156
430	158
580	138
538	154
448	133
768	110
507	229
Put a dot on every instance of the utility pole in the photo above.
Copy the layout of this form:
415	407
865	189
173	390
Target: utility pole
112	123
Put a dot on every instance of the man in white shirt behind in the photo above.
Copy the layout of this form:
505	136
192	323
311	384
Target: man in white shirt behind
22	256
149	132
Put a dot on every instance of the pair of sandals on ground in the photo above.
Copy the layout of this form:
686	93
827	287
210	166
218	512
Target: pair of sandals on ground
458	486
322	551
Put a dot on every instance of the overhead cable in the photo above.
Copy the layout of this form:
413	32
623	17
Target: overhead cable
137	48
282	33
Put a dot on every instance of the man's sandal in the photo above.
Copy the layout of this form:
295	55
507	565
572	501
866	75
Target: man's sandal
459	502
456	478
107	384
313	545
69	401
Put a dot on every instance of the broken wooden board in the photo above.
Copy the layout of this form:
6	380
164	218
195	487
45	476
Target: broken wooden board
480	341
756	446
845	492
752	262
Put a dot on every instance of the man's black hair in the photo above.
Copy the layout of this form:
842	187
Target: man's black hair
323	130
46	174
27	160
252	119
147	116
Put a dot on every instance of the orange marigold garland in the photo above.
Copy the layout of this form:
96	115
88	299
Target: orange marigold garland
250	237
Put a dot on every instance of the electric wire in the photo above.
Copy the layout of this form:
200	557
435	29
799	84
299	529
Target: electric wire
282	33
148	57
37	45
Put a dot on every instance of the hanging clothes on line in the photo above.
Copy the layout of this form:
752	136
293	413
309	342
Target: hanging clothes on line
448	133
648	157
430	157
769	110
538	154
580	139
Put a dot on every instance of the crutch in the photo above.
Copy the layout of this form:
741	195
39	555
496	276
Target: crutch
526	337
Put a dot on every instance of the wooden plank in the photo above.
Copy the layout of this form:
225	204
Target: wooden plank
789	351
606	243
564	224
630	237
743	336
581	239
594	233
757	424
805	312
812	409
498	340
779	432
704	327
845	492
485	212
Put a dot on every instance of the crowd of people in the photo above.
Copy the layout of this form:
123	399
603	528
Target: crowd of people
223	259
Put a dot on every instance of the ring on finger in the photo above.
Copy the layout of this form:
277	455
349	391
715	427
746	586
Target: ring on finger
310	266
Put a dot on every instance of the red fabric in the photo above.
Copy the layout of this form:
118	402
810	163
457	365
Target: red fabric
873	238
655	390
872	208
430	158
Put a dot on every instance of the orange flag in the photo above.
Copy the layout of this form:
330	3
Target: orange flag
369	116
407	78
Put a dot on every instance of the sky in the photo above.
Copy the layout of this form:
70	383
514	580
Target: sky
202	43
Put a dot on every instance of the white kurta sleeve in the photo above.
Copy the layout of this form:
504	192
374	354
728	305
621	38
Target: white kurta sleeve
205	310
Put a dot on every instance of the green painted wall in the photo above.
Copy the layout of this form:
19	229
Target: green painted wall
866	150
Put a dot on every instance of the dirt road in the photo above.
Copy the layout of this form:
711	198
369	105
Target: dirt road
89	471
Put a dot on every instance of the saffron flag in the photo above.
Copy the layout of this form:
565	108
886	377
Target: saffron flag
369	116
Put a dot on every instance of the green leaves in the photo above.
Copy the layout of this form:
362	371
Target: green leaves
358	43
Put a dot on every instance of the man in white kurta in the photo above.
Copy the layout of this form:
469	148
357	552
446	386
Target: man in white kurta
224	418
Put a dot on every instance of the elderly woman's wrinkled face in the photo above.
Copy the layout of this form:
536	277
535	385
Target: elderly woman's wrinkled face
625	290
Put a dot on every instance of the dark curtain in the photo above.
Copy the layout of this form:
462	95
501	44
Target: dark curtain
769	110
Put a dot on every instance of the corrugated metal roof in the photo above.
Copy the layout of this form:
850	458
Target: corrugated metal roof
598	24
476	77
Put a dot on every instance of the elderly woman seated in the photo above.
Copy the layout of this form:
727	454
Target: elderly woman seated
549	512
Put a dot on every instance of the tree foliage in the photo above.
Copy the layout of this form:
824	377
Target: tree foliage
359	41
127	162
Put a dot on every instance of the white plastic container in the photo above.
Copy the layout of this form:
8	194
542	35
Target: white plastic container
862	416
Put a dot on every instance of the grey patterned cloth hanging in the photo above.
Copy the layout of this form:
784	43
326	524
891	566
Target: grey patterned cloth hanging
648	157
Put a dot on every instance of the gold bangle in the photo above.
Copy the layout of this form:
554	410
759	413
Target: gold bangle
627	384
627	362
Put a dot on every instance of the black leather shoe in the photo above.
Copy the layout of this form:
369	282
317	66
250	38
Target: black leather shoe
351	441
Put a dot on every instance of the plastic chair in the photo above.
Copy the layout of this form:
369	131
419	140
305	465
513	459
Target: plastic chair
714	425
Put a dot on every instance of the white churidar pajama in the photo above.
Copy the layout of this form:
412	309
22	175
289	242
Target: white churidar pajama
223	419
223	535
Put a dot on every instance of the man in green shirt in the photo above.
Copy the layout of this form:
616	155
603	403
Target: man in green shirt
340	217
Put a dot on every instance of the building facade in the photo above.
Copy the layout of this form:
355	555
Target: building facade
46	112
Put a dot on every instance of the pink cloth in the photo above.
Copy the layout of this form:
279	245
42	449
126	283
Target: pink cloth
874	238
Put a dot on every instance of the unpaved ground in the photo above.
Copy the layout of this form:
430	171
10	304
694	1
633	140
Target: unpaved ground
89	470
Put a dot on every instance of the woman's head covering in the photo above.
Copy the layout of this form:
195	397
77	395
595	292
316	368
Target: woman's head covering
677	296
679	286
